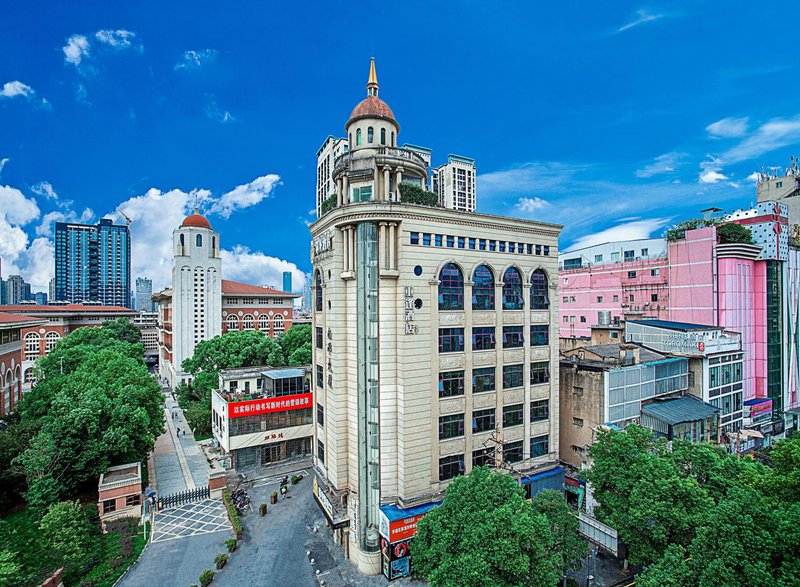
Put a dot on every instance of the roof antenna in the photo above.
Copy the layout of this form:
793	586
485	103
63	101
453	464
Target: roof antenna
196	209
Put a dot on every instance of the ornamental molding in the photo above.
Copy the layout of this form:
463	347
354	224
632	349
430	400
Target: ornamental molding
515	396
513	434
511	356
540	428
483	318
451	319
451	362
540	316
452	406
452	447
484	359
540	353
513	317
484	400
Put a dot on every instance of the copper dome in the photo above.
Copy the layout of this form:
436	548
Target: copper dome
372	107
196	220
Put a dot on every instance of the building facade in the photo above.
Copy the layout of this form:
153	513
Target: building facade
12	327
143	296
93	263
455	183
263	416
17	290
330	150
434	342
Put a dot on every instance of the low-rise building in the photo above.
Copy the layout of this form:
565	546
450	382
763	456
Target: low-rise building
684	418
262	416
11	329
119	493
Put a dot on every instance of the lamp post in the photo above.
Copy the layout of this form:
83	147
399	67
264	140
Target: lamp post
590	569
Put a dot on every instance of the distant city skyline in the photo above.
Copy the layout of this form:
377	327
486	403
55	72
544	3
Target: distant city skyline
567	114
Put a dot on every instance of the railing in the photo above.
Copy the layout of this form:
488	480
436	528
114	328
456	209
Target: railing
345	159
182	497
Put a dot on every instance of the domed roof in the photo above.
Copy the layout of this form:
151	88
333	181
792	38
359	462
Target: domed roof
196	220
372	107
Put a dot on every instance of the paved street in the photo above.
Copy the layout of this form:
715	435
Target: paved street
191	519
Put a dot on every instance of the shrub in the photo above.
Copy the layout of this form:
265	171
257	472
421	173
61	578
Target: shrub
295	479
221	560
328	204
734	233
236	522
230	544
411	193
206	577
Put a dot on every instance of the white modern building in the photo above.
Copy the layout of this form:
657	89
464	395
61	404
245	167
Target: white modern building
435	345
326	155
454	182
615	252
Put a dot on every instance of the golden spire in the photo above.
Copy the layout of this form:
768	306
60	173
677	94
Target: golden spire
372	82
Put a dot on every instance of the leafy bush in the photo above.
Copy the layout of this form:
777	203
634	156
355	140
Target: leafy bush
678	231
206	577
411	193
328	204
220	560
734	233
236	522
230	544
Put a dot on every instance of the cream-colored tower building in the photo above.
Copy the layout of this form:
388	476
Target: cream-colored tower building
196	291
436	344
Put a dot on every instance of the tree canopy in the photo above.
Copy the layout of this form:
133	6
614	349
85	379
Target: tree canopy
485	533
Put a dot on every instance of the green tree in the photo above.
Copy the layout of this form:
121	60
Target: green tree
301	356
15	436
10	569
563	525
122	329
485	533
670	570
241	348
733	233
295	338
67	534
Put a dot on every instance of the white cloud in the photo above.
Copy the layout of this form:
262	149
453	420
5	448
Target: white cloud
193	59
81	94
16	88
529	177
15	207
728	127
753	177
642	16
3	162
37	262
214	112
256	268
45	188
711	176
46	226
637	229
533	204
665	163
772	135
119	39
76	49
246	195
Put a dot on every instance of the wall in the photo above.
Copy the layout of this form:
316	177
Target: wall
589	407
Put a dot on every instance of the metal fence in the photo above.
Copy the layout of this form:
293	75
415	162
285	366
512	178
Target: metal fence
182	497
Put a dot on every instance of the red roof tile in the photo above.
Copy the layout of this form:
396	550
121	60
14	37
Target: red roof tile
234	287
37	309
372	107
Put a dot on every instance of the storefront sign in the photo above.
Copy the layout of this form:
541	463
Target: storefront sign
322	246
399	529
408	292
269	405
759	410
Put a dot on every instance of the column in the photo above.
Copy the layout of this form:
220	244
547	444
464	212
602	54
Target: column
392	260
386	185
383	249
399	179
339	195
346	246
377	194
526	367
345	189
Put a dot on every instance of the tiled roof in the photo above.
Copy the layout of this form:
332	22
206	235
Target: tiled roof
684	409
69	308
234	287
12	319
372	107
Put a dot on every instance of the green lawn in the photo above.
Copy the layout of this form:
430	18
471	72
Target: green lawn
19	534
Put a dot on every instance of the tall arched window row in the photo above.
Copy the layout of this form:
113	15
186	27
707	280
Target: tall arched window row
248	322
32	346
263	323
482	288
199	240
370	134
232	322
50	341
278	324
512	290
540	299
451	288
358	136
318	292
383	136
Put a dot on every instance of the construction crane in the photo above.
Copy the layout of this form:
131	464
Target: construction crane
127	218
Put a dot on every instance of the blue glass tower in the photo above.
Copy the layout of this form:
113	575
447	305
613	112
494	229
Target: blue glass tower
93	263
287	281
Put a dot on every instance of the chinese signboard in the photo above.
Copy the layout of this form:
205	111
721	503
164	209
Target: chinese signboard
398	530
759	410
268	405
321	246
408	292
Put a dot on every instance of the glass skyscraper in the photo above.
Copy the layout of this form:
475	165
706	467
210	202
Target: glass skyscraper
93	263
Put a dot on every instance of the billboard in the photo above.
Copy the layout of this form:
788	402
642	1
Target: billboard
268	405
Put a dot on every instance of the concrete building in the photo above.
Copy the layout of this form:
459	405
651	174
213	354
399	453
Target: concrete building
287	281
330	150
783	188
51	290
607	385
147	323
17	290
201	305
119	493
454	182
40	298
143	295
93	263
12	327
263	416
435	344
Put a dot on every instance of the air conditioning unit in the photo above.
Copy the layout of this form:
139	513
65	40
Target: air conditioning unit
392	196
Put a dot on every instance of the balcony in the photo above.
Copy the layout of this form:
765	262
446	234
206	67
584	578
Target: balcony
392	156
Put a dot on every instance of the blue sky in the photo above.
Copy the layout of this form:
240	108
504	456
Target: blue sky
612	120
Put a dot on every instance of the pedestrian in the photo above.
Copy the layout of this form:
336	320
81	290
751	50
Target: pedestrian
284	490
177	431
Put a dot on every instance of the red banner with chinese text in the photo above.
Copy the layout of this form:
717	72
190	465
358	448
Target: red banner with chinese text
269	405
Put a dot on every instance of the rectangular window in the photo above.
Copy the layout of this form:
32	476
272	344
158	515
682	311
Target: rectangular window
512	452
540	410
598	258
653	297
511	248
631	274
109	505
512	415
565	299
529	249
438	240
576	390
583	319
318	336
451	241
414	238
320	451
132	500
482	244
599	299
615	299
483	379
615	256
540	372
654	272
483	338
513	337
461	241
426	239
320	377
630	255
540	446
512	376
483	420
483	457
451	340
492	245
540	335
450	467
644	252
577	422
538	249
546	250
451	426
630	298
451	383
502	246
472	243
320	415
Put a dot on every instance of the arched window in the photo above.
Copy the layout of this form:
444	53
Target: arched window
198	241
278	324
539	297
392	138
370	134
482	288
451	288
512	290
318	292
29	377
232	322
32	346
358	136
350	139
50	341
213	244
248	322
383	136
263	323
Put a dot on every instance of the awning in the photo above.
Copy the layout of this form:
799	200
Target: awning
543	475
394	512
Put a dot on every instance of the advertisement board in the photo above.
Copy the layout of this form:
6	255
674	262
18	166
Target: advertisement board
268	405
758	410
